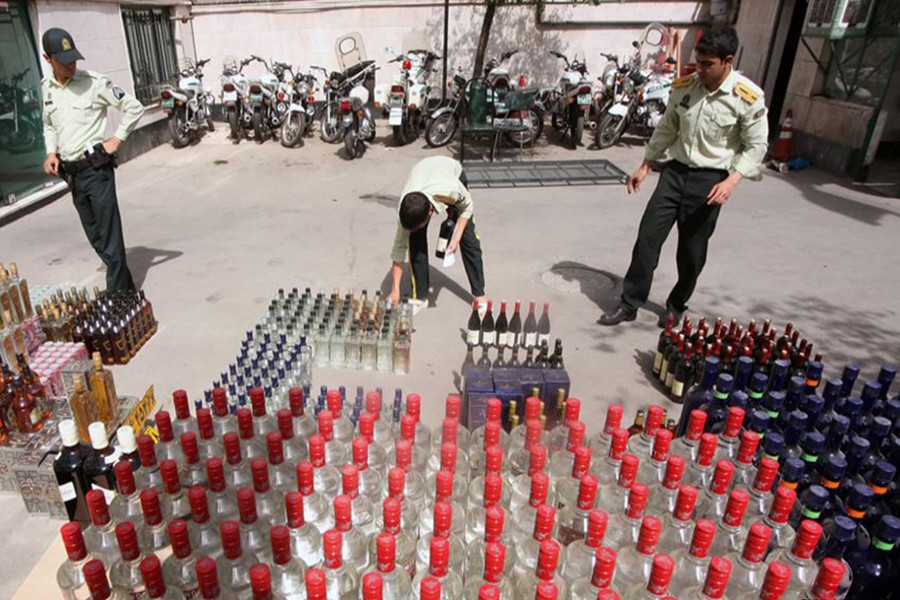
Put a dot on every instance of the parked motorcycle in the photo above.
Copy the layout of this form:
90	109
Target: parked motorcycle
640	109
611	84
569	104
301	108
357	120
405	103
235	88
267	109
188	105
21	128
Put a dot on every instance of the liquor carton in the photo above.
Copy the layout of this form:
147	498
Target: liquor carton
554	380
38	485
479	386
82	367
10	453
508	388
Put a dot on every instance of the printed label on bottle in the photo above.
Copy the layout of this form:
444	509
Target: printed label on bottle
114	457
657	362
530	340
488	338
663	369
472	336
191	592
108	493
501	339
670	378
513	339
442	245
140	595
36	415
677	388
67	492
543	337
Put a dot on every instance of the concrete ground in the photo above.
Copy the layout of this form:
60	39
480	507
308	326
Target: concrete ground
215	229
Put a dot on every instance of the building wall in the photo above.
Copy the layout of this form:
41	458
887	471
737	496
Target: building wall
755	25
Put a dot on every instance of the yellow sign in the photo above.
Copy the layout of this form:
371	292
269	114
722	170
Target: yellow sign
141	412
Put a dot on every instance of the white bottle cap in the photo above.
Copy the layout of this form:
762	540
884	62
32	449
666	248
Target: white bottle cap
99	440
68	432
125	436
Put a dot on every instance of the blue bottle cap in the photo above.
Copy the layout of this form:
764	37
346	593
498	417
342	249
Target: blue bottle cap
773	444
758	383
857	446
797	420
832	389
780	368
812	444
774	401
759	422
232	368
861	497
840	425
889	529
217	383
883	474
812	404
744	363
739	399
792	469
343	392
880	428
323	390
891	409
871	392
724	383
851	406
842	529
834	468
886	375
814	371
712	362
814	499
796	385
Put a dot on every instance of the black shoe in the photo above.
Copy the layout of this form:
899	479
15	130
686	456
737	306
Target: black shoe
622	313
664	318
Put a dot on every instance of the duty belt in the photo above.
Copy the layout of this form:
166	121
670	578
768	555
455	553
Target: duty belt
73	167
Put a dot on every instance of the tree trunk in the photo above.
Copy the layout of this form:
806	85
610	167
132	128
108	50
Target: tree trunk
490	9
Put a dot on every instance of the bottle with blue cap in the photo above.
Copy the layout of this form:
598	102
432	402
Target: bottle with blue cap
795	391
698	395
875	574
742	371
772	446
791	473
811	445
857	504
717	407
840	537
881	481
877	435
809	506
838	430
831	472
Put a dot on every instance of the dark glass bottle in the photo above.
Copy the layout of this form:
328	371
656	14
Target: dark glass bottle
681	379
699	395
502	326
664	340
717	409
514	334
543	326
848	379
473	328
874	572
444	237
99	465
68	468
488	333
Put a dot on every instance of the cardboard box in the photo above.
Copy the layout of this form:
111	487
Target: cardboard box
554	380
37	484
508	389
478	387
10	453
81	367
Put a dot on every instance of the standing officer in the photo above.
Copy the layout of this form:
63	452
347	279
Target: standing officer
716	131
435	184
75	107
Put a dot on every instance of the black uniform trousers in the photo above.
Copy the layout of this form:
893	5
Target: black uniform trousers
469	249
94	196
680	197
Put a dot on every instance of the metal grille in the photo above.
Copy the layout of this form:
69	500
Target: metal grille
542	173
151	48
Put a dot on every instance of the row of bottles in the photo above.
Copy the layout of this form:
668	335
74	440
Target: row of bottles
95	402
15	299
543	360
24	405
483	329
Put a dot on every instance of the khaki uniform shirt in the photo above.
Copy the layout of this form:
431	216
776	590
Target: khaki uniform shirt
724	129
438	178
75	113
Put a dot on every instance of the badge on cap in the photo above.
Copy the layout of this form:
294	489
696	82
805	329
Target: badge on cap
66	44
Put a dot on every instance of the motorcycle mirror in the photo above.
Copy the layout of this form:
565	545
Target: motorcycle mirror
636	44
671	61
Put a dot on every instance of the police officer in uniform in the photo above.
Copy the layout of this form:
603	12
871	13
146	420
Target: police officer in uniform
75	107
715	130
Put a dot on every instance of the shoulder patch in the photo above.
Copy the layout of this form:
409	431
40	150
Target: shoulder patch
118	92
683	82
746	93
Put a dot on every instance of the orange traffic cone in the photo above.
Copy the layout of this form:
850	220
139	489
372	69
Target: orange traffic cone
783	150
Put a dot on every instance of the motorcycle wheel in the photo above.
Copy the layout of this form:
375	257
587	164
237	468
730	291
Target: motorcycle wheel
234	126
292	129
556	123
351	143
26	138
441	130
259	129
578	131
526	138
330	130
180	136
610	130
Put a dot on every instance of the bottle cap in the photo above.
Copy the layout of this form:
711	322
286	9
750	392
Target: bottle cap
707	450
343	513
695	425
546	590
124	478
573	410
204	424
334	403
532	408
372	587
613	418
208	578
662	442
151	572
881	477
305	478
150	508
494	558
491	434
702	538
582	463
604	567
97	507
537	459
493	523
285	423
73	540
648	537
178	536
260	580
776	581
396	481
637	499
245	423
414	406
674	472
807	538
281	544
587	492
331	545
258	402
628	471
534	430
773	444
126	536
597	523
219	402
619	444
685	503
448	455
317	449
575	436
189	449
757	544
717	576
813	501
493	459
765	474
543	521
831	572
391	510
246	499
125	437
315	584
182	405
146	451
387	552
782	505
97	431
548	559
360	453
440	556
734	422
326	425
747	448
661	574
453	406
232	445
655	415
373	404
736	508
199	504
608	594
403	454
493	489
350	480
259	469
887	533
722	477
95	578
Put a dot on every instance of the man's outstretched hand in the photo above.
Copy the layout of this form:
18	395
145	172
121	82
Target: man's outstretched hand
721	192
634	182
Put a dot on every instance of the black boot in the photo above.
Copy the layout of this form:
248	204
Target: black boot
622	313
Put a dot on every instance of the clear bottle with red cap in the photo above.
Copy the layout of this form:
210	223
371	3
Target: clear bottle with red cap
155	583
254	529
613	499
443	483
799	557
125	573
493	413
492	462
183	422
520	485
773	586
560	438
700	471
600	442
572	522
208	579
69	576
354	543
294	448
315	507
490	437
363	511
449	462
451	582
528	549
518	437
664	496
304	426
567	487
237	466
179	568
251	444
545	571
281	471
731	529
152	535
147	475
748	566
208	442
760	489
372	587
420	435
305	539
335	451
192	470
269	501
491	575
126	505
223	420
100	535
234	564
476	518
692	561
579	556
745	467
520	456
783	534
655	584
167	448
678	525
395	487
688	445
327	477
523	517
635	562
261	584
624	527
221	501
341	580
730	438
203	528
453	410
263	422
599	575
287	571
375	455
653	469
546	590
381	429
562	460
343	428
315	585
443	438
828	579
711	503
413	482
607	469
406	542
642	444
714	584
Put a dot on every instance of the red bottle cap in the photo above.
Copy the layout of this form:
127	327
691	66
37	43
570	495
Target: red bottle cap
367	426
696	425
493	489
146	451
443	485
540	486
247	506
582	463
702	539
182	406
674	472
736	508
537	459
189	448
448	455
295	398
442	521
757	544
722	477
373	404
150	507
372	587
548	559
604	567
717	576
613	418
491	434
396	482
685	503
494	558
208	578
315	584
281	544
660	574
151	572
403	454
230	532
124	478
440	556
126	536
178	536
360	453
245	423
199	504
293	506
628	471
305	478
387	552
587	492
597	522
782	505
543	521
232	448
343	513
708	444
260	581
275	446
414	406
326	425
219	402
73	540
547	590
493	411
95	578
258	402
97	507
619	444
637	500
765	474
533	432
661	444
776	581
576	435
654	420
532	409
648	537
807	538
493	459
331	545
733	422
334	403
391	511
164	426
317	449
350	480
205	424
747	449
259	469
573	410
493	523
285	423
215	474
453	405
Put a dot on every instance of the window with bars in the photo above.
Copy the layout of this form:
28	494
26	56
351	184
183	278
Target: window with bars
151	49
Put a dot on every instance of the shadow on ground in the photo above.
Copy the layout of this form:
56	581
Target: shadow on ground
141	259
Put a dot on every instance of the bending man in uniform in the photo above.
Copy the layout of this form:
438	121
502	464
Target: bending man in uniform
75	107
716	131
435	185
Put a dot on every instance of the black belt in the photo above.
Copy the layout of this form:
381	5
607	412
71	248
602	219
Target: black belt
683	167
73	167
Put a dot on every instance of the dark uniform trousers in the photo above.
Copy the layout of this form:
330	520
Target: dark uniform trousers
680	197
469	249
94	196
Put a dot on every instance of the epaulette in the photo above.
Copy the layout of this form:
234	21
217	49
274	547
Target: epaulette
746	93
683	82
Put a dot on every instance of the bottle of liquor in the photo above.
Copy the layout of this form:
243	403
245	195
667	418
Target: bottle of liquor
514	337
874	573
448	225
599	578
529	329
104	389
192	468
305	540
175	503
545	572
664	495
125	573
607	470
167	448
315	506
600	442
653	469
155	584
203	530
502	327
152	534
263	422
327	477
699	395
126	505
700	472
179	569
450	583
208	444
748	568
693	561
656	583
828	579
473	328
68	468
635	562
69	576
580	555
614	499
625	526
254	528
234	564
543	326
99	465
208	578
711	504
354	543
638	425
573	521
341	581
799	557
287	572
716	581
731	531
488	333
661	345
100	536
95	580
223	420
